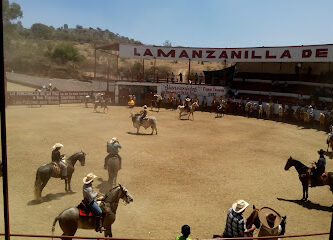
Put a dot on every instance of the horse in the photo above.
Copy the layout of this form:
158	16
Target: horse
190	111
89	99
220	111
307	117
101	103
70	219
269	110
248	109
113	164
329	141
46	171
305	178
297	114
261	111
146	123
280	112
156	102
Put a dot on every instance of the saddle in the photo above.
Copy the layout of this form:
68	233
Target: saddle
84	210
56	172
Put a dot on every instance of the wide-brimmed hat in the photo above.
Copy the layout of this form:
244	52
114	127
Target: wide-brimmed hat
57	145
145	107
321	152
89	178
114	139
268	215
240	206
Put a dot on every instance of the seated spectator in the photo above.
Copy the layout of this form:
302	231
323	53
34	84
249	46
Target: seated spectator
186	231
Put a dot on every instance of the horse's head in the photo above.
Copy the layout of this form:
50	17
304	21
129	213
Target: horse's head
253	219
82	158
125	195
195	104
288	164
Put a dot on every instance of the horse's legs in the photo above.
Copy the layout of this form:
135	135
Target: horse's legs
66	183
152	130
137	130
108	232
69	184
42	187
306	192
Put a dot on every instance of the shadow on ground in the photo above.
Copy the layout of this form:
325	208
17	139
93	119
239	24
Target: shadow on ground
103	186
308	204
139	134
49	197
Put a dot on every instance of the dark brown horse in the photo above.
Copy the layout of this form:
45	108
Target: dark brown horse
46	171
305	177
70	219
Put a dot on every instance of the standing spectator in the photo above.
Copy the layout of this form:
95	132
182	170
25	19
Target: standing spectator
201	78
186	231
180	77
172	77
196	78
235	224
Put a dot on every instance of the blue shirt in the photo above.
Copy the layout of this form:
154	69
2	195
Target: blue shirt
321	161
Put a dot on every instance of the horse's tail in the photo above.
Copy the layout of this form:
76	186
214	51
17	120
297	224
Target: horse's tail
37	185
54	223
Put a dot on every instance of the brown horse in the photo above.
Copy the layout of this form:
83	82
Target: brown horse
190	111
46	171
70	219
305	177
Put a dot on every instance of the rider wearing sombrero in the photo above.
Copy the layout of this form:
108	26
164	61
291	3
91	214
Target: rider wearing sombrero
113	147
272	223
57	158
320	167
187	103
89	197
143	113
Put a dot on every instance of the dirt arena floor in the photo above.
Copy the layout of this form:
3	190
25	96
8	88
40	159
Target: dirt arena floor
190	173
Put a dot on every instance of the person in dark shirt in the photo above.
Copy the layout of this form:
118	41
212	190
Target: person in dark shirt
57	158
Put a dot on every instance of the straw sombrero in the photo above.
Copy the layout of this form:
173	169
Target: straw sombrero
57	145
89	178
114	139
145	106
268	215
240	206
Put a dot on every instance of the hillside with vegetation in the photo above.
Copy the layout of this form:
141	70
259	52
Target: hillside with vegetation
69	52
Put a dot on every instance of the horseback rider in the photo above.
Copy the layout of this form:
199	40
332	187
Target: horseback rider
57	158
89	197
113	148
320	165
187	103
143	113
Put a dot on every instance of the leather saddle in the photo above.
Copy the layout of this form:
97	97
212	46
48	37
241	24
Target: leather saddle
84	209
56	171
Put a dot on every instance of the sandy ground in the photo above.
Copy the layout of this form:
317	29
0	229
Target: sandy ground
190	173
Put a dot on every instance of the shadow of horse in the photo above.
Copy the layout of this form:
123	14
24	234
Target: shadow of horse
309	205
138	134
49	197
104	186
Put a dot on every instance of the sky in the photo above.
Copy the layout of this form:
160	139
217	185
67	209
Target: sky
194	23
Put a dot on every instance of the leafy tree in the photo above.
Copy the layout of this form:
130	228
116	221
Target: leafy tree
65	27
65	52
10	12
41	31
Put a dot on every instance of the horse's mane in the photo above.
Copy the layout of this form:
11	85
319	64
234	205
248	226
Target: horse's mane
299	163
73	156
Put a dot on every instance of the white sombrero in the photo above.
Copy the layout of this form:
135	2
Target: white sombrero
114	139
89	178
268	215
145	106
240	206
57	145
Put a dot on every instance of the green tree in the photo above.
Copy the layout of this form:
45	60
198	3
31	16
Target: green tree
65	52
10	12
41	31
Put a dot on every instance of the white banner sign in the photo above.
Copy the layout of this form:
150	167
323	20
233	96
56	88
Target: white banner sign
312	53
192	90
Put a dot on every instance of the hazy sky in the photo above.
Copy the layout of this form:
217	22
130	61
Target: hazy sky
194	23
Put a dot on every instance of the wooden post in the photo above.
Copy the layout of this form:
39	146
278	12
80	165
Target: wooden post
143	69
118	74
189	70
154	69
95	66
107	76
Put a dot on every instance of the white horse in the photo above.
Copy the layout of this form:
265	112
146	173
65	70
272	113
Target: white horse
261	111
281	111
269	110
189	111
